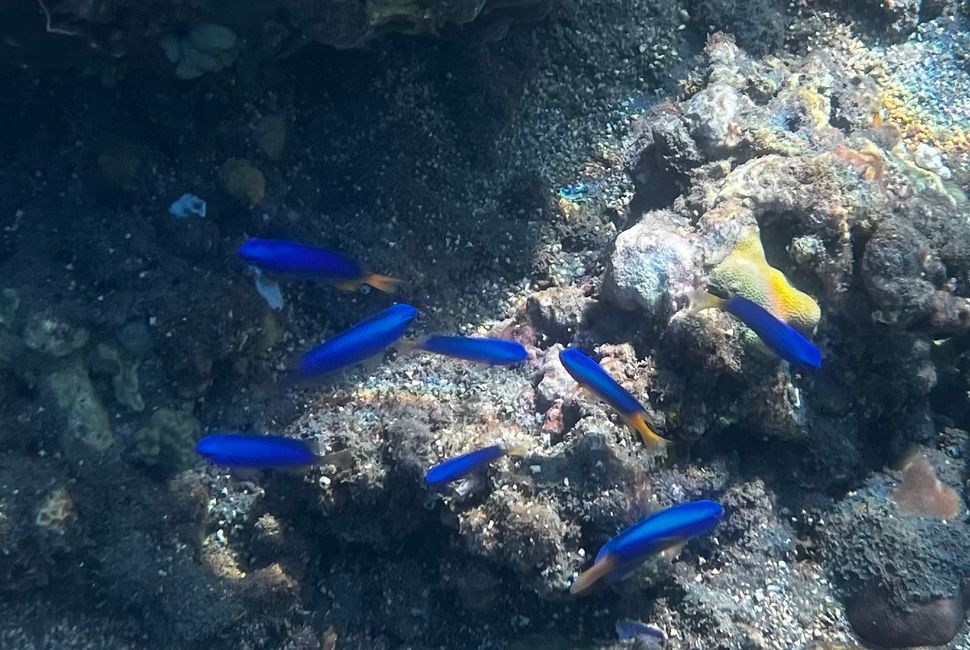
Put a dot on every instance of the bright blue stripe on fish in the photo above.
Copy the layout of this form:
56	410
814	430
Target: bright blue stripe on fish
293	258
362	341
463	465
783	339
591	375
245	450
659	531
484	350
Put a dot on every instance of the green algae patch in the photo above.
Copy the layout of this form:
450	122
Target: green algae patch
124	376
243	181
168	440
87	419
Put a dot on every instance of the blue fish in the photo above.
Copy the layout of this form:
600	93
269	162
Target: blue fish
300	260
364	340
591	376
241	450
463	465
662	530
495	352
783	339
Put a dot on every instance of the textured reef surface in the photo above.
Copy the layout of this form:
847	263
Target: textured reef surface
560	174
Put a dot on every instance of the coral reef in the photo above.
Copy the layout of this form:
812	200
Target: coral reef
746	272
542	180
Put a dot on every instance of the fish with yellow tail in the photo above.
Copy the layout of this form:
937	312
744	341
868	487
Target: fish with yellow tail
621	556
591	376
293	259
780	337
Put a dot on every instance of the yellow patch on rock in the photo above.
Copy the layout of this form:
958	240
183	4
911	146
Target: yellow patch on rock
746	272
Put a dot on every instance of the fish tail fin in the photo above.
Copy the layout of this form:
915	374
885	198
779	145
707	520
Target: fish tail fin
293	361
383	283
593	574
650	438
268	389
700	300
337	459
289	380
315	448
408	346
517	450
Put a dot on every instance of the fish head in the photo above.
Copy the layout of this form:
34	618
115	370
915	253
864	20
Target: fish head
401	313
209	446
254	250
705	515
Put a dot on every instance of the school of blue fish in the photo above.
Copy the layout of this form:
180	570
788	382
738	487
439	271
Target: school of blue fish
660	532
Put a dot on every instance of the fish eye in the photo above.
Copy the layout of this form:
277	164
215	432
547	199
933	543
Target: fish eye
365	289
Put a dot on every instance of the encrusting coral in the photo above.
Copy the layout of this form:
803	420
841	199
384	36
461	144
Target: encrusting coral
55	511
746	272
921	493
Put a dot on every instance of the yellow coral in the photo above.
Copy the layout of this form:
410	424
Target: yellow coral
817	108
916	126
746	272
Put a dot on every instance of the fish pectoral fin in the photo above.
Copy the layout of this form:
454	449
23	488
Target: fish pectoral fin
372	363
673	549
250	474
408	346
587	578
581	392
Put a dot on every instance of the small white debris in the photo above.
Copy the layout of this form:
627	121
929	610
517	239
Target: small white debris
187	205
268	289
